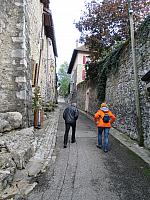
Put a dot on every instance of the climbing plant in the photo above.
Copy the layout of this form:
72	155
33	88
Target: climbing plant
98	71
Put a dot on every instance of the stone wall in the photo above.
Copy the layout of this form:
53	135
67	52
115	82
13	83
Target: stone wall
22	38
15	79
87	97
34	10
47	75
81	95
120	87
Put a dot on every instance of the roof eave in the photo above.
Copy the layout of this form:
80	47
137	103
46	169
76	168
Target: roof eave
50	33
72	61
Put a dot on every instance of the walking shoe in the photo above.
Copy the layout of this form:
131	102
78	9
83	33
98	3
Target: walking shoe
73	141
65	146
99	146
105	150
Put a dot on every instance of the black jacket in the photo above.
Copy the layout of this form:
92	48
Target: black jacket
70	114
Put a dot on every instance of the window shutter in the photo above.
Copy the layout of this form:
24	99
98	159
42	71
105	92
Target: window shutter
84	60
83	74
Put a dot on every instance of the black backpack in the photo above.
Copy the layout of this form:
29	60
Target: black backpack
106	118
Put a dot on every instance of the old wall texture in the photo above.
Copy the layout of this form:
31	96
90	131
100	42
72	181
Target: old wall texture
22	38
15	79
47	75
87	97
39	42
34	11
81	95
120	87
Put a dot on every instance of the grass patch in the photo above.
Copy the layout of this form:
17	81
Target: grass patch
146	171
134	156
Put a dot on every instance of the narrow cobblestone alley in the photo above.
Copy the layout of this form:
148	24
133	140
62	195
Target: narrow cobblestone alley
83	172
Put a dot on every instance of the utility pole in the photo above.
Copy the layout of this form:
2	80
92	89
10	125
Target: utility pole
136	84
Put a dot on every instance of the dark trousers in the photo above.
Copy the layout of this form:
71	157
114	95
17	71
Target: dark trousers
67	126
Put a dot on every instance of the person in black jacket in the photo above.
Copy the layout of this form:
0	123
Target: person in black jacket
70	116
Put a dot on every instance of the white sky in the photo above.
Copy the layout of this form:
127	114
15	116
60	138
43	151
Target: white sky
64	13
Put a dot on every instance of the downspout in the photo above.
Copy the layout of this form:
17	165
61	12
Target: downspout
36	83
46	95
38	114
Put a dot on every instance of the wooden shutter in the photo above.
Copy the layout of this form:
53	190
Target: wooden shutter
34	73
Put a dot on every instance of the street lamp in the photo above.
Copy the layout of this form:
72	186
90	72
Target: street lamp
136	84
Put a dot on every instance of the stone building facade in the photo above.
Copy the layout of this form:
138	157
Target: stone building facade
15	67
43	49
27	55
120	88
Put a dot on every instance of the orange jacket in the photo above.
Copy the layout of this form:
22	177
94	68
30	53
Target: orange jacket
98	118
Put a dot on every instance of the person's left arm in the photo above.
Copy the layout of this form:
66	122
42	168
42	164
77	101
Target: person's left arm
76	114
113	117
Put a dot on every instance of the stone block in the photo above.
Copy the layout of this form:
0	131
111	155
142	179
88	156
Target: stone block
21	145
20	79
21	94
10	121
24	62
4	125
18	53
7	170
17	39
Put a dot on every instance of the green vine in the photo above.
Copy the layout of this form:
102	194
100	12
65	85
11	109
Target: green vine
143	30
37	99
99	71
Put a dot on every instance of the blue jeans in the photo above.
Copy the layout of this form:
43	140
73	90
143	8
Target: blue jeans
106	139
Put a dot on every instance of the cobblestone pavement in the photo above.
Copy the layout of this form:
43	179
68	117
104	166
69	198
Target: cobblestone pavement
83	172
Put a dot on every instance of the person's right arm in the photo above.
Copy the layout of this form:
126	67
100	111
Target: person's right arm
113	118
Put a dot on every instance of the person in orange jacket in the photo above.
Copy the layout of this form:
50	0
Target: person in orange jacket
103	119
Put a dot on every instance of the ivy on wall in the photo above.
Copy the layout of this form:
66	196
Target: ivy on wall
143	30
99	71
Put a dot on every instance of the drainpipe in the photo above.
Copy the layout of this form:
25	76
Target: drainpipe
46	95
38	112
136	83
